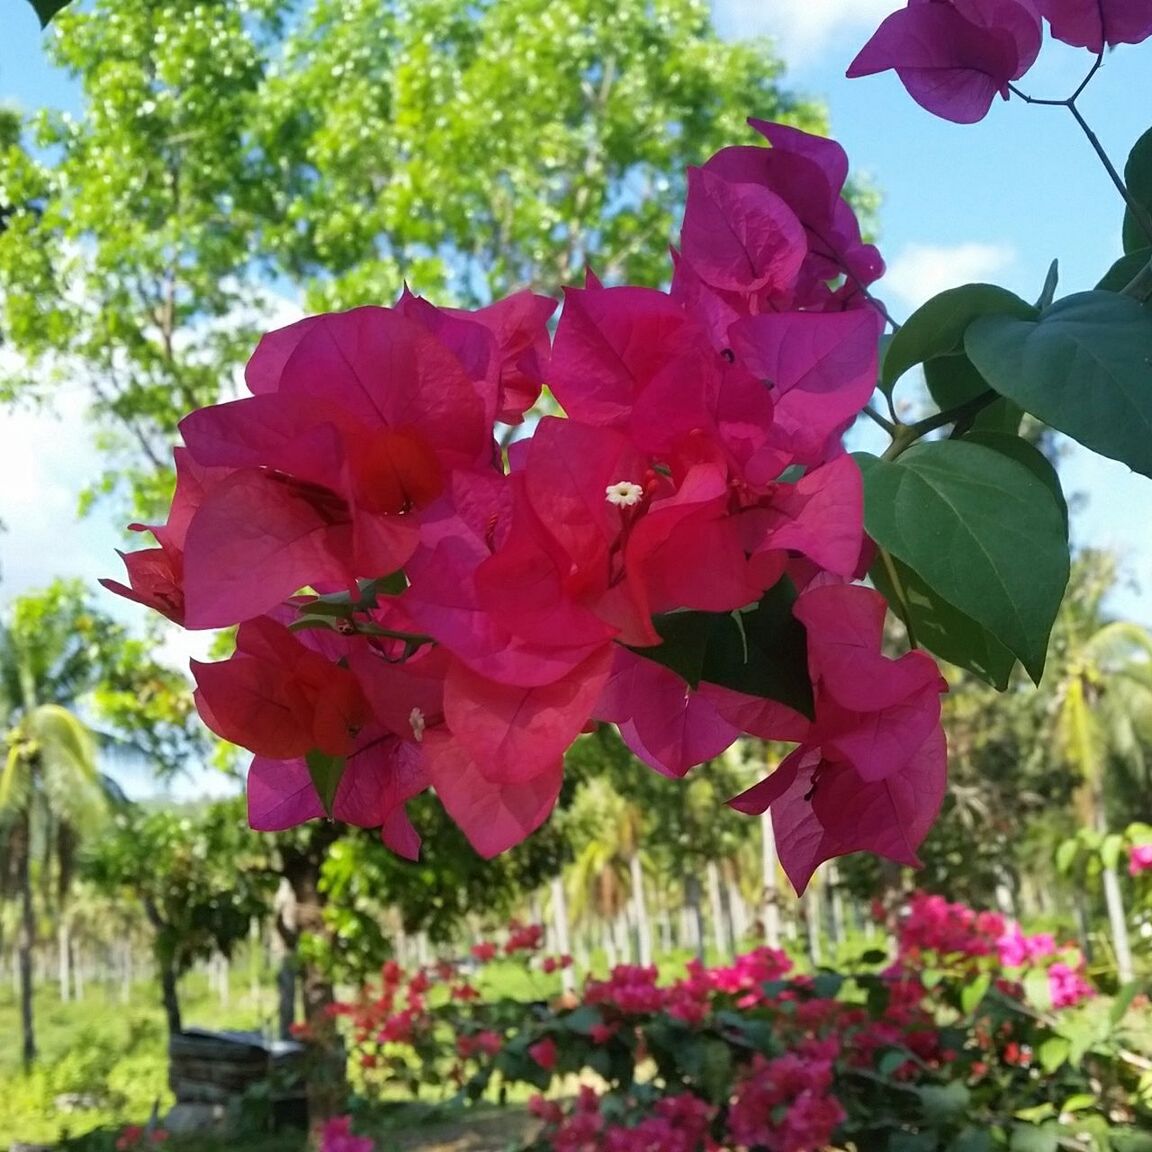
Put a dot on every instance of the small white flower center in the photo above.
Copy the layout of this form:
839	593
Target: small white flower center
624	494
416	719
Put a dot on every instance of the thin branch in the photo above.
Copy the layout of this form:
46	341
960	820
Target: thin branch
876	418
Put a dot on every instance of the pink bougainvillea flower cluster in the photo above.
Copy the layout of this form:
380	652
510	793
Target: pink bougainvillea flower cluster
955	56
418	608
1139	859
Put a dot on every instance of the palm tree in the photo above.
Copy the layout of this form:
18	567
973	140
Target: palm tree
51	791
1098	690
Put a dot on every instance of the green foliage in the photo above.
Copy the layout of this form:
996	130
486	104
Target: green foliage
199	878
336	150
981	531
46	9
1138	180
1084	367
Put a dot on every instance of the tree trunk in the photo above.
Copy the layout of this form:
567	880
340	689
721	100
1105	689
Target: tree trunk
770	865
720	935
286	937
166	965
562	931
1118	925
327	1083
640	911
695	913
21	845
170	994
64	957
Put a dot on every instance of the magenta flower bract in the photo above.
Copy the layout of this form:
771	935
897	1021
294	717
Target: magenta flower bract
954	56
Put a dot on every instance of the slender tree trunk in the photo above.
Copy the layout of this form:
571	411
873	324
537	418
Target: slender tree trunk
1118	925
170	994
562	930
21	847
692	896
836	905
720	935
813	918
640	911
286	936
327	1082
166	966
64	957
770	865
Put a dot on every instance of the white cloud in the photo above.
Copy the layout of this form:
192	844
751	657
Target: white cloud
919	271
803	29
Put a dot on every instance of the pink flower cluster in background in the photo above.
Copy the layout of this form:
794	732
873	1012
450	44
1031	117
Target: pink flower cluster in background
955	56
337	1136
1139	859
935	929
419	609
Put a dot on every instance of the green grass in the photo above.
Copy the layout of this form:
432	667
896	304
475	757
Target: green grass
103	1047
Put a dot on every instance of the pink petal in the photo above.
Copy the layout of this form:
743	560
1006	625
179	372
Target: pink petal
257	539
609	343
280	795
513	734
740	237
494	817
1093	23
822	369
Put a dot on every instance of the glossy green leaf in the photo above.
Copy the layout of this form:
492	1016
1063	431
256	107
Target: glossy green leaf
981	531
1085	368
944	1102
953	380
937	327
1138	179
1123	272
1048	292
972	1140
326	772
938	626
1110	850
46	9
763	654
1027	454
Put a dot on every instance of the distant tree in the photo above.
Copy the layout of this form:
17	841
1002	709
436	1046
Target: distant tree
198	878
51	790
333	150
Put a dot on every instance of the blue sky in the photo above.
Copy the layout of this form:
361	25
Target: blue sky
998	200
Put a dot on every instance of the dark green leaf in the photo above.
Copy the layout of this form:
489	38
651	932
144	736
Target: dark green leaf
944	1101
972	1140
937	327
765	654
891	1060
1138	179
953	380
1048	292
1123	272
980	530
326	772
46	9
911	1142
1085	368
1031	1138
938	626
1028	455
